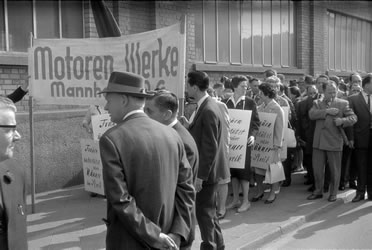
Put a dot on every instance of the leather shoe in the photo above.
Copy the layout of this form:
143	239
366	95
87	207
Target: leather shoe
233	205
358	197
332	198
286	183
270	201
220	216
244	207
314	197
352	185
255	199
341	187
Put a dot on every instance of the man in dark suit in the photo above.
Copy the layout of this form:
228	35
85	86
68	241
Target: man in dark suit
12	184
361	137
147	178
205	126
163	107
331	115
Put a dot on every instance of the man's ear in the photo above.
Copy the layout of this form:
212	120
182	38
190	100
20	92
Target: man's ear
168	115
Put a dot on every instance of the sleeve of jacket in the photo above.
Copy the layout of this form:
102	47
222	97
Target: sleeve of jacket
316	113
255	120
350	131
118	196
349	118
209	145
17	95
184	199
279	127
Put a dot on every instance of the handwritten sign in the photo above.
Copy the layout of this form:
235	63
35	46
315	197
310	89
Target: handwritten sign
101	123
261	155
239	129
92	166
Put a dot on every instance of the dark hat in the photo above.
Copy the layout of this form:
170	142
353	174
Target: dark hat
126	83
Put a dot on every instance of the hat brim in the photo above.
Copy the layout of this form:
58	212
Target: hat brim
105	91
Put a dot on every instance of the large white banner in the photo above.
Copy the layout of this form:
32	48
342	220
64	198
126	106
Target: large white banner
239	130
262	154
72	71
92	166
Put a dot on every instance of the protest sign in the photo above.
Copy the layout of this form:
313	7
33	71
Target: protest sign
261	155
239	129
73	71
92	166
101	123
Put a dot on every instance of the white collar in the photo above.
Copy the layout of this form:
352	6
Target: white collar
232	99
201	101
173	123
133	112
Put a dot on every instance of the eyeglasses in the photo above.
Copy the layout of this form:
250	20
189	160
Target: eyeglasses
8	126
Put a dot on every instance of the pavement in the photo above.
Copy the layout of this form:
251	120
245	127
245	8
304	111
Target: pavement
71	219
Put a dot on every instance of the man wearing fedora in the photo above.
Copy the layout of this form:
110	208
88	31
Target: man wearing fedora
147	178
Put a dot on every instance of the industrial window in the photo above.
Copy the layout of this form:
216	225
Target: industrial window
256	33
349	43
46	19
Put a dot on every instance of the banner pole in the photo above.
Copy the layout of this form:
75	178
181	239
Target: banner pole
182	99
32	152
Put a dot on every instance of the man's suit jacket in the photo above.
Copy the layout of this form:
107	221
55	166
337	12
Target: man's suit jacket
305	127
148	183
327	135
17	95
206	129
361	130
13	194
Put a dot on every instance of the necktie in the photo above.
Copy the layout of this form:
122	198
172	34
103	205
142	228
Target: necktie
193	114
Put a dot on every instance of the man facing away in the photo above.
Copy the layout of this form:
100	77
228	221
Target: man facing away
331	114
163	107
147	178
205	126
12	184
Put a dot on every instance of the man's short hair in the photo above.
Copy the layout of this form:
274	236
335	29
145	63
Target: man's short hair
236	80
273	79
366	80
309	79
353	74
165	100
270	72
254	79
198	78
321	76
329	83
218	85
6	103
334	78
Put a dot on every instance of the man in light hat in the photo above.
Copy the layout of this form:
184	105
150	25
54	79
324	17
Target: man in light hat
147	178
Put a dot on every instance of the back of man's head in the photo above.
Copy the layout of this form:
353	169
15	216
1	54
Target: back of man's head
198	78
166	100
269	72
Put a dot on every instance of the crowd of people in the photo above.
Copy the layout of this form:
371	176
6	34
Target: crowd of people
164	172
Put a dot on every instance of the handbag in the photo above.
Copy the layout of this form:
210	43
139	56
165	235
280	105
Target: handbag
274	173
290	137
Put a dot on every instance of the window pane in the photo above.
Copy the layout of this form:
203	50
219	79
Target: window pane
234	7
285	33
257	32
210	31
47	19
292	35
223	32
2	26
359	66
338	42
276	32
368	48
343	42
354	44
363	45
266	31
20	24
349	44
72	19
247	32
331	37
